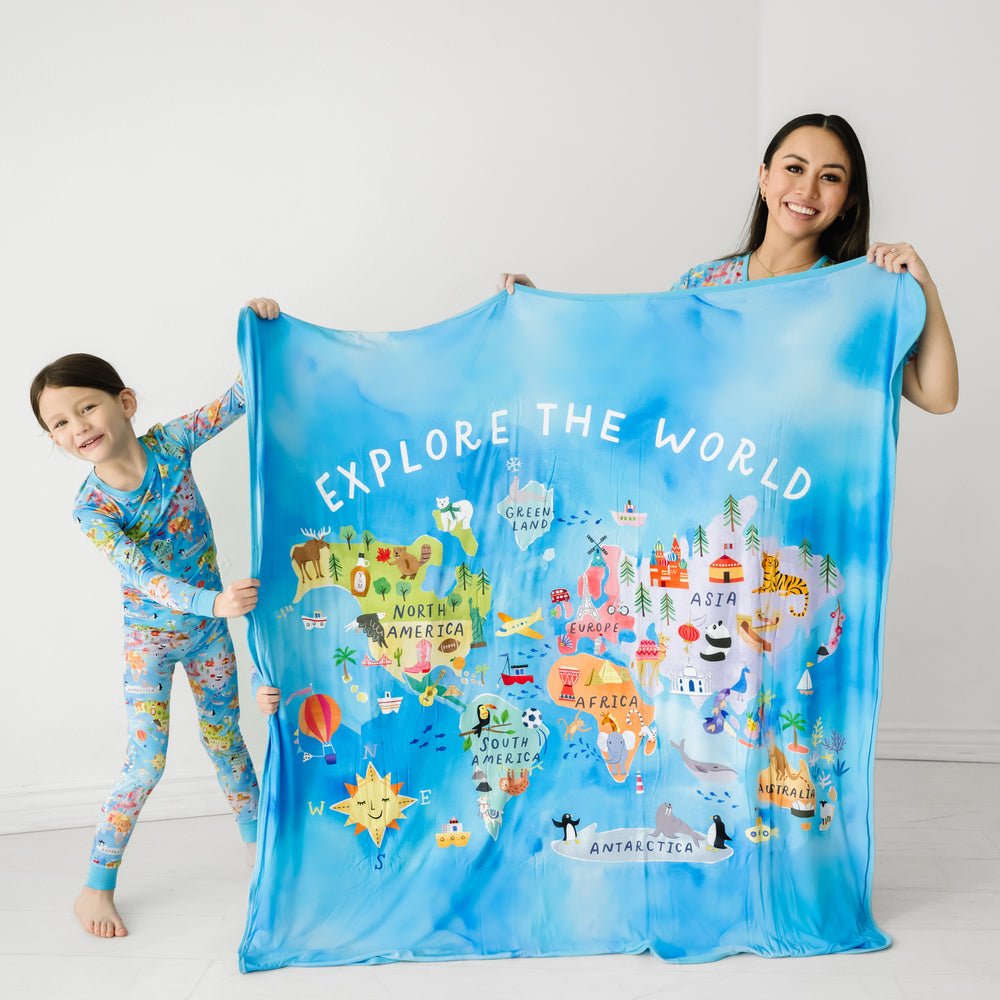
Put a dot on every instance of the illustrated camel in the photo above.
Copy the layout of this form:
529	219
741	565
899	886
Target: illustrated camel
648	657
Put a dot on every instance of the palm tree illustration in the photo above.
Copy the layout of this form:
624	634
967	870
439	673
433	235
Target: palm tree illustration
796	723
341	658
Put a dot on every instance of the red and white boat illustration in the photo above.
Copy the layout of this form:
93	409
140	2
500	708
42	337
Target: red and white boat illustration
389	704
629	515
516	674
315	620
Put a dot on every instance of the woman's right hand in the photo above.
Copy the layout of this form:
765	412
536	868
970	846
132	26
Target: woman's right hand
239	598
508	281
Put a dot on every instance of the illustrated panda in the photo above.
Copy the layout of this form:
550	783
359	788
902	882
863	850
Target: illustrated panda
719	641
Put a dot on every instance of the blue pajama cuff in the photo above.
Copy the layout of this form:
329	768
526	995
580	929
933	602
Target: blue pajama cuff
99	877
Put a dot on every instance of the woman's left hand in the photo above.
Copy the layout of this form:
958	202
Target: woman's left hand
265	308
931	381
268	699
899	257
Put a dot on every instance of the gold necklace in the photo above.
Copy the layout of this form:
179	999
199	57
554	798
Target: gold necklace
779	270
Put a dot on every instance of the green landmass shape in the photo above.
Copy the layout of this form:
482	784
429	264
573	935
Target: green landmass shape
464	535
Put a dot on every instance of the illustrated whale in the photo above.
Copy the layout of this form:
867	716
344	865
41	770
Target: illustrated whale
705	769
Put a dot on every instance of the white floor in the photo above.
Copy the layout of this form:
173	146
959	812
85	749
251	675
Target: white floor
937	893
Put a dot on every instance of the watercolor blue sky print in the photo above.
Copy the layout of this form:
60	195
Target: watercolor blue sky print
575	604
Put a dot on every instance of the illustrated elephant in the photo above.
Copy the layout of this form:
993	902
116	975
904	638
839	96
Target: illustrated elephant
616	746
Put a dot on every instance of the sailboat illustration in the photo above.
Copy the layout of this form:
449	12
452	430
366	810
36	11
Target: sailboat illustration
806	682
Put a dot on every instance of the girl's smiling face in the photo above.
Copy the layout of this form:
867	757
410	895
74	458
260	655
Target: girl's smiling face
806	185
88	423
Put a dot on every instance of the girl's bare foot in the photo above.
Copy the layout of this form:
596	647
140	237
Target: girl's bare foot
95	909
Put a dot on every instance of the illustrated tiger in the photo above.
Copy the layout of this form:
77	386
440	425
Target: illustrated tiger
782	583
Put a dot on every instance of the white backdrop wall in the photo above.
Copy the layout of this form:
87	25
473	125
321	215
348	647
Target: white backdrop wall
375	166
919	83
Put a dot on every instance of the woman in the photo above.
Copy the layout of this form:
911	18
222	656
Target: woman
812	210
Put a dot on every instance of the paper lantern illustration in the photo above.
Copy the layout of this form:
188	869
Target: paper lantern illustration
688	633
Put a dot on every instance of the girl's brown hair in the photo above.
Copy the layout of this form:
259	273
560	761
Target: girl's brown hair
83	370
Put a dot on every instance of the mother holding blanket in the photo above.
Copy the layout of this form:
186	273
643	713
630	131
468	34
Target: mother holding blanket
812	210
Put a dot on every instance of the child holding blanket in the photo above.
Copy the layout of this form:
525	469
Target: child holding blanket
140	506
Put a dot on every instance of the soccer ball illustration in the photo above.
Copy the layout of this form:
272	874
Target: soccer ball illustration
532	717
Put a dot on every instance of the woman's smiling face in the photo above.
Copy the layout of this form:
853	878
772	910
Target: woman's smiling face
806	185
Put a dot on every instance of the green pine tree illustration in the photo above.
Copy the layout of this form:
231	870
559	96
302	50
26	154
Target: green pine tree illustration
642	601
335	567
700	544
805	552
731	512
828	571
667	612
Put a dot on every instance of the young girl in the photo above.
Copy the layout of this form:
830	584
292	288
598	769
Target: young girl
140	506
812	210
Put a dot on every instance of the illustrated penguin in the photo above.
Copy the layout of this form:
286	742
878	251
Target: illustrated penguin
719	639
568	826
717	835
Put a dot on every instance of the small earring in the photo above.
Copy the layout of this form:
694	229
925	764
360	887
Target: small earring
763	197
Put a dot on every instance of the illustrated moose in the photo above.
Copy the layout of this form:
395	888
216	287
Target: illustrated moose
307	554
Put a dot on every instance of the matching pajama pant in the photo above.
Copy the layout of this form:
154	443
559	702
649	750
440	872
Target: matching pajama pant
210	663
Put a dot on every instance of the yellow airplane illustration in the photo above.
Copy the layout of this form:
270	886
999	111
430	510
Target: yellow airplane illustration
516	626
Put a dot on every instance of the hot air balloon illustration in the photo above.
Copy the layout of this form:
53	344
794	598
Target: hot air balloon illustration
319	717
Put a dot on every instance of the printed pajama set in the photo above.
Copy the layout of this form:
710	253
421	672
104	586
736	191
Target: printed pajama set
160	538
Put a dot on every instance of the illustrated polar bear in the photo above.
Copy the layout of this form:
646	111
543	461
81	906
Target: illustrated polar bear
454	514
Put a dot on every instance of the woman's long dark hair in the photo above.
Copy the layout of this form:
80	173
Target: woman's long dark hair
847	238
85	371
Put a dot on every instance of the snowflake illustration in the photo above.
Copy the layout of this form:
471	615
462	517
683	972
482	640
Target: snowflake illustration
513	464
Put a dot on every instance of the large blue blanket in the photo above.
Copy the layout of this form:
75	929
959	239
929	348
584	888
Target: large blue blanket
575	604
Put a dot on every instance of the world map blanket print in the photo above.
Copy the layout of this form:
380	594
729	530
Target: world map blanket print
576	608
